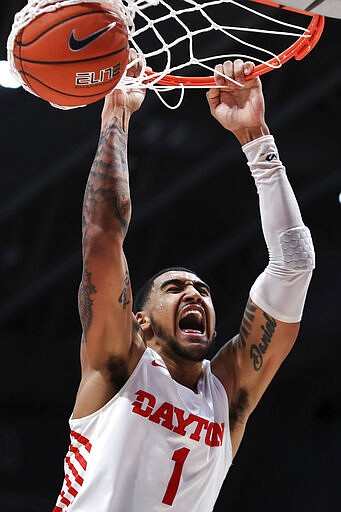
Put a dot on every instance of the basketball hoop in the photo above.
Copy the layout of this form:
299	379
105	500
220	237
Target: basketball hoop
192	36
305	38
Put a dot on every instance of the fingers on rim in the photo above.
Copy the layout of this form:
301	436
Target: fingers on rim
217	74
237	70
136	68
225	69
228	70
248	67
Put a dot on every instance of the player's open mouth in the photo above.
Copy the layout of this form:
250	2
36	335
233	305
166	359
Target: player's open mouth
192	320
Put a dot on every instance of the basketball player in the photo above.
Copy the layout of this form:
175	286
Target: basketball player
155	425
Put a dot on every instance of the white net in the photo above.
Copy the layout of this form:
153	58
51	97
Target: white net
185	34
188	36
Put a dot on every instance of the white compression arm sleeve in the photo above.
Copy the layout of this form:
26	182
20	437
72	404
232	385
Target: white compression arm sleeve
281	289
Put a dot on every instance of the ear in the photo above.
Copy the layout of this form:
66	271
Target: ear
144	322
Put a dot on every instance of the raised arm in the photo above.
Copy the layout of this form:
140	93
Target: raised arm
110	347
270	323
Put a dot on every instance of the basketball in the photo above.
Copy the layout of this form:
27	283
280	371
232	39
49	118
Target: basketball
74	55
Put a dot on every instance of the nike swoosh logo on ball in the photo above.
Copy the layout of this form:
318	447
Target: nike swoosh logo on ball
76	44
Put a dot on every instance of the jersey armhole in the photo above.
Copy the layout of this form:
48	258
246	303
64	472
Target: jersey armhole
77	421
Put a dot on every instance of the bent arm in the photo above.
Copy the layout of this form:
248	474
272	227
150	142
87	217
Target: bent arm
270	323
271	319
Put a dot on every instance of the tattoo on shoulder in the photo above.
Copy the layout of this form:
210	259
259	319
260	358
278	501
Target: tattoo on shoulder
86	290
123	299
257	350
239	342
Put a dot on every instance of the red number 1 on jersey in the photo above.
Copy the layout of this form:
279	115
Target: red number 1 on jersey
179	457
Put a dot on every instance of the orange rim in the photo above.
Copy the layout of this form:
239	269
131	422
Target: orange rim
298	50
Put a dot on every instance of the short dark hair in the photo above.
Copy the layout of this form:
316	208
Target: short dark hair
142	296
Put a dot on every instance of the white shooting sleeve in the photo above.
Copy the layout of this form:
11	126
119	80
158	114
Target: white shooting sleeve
281	289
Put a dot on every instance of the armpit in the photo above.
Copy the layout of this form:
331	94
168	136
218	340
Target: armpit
238	408
118	372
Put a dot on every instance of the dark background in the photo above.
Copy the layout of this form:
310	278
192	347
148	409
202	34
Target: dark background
194	205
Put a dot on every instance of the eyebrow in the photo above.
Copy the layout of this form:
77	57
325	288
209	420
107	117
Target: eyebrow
181	283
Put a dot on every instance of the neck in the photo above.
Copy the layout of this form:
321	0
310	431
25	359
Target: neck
185	372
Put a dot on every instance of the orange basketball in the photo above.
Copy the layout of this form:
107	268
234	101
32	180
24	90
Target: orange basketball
73	56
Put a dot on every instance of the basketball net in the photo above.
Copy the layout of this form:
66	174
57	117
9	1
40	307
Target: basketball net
160	30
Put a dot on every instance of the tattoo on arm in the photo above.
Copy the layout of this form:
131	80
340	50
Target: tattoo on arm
85	301
239	342
257	350
107	196
123	296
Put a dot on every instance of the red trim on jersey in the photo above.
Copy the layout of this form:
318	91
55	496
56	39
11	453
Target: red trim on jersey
74	471
71	489
81	439
78	457
65	500
71	471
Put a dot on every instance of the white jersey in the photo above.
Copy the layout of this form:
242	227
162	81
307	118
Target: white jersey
155	446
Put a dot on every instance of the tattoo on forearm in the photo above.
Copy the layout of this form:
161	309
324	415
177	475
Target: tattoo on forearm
123	299
107	195
86	290
258	350
239	342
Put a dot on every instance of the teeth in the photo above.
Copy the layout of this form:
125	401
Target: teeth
192	312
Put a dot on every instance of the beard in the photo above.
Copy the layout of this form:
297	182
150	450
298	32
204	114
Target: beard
197	355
